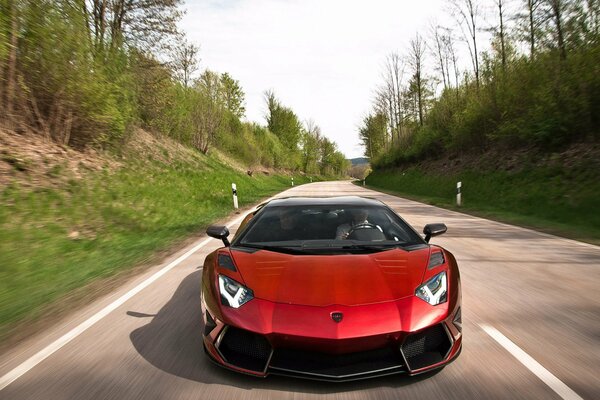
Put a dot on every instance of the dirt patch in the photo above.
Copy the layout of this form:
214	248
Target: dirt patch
32	161
499	159
144	145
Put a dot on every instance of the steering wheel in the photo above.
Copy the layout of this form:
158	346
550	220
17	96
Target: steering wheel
361	226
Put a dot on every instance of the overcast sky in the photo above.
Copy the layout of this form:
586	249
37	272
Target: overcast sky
323	58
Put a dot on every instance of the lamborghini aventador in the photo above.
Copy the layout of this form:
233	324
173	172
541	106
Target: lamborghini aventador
336	289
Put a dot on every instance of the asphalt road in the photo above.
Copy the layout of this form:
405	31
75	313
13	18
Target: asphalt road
538	291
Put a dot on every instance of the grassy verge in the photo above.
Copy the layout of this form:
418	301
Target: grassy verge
58	239
555	200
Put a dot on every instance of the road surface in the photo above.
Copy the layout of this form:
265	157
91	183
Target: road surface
531	324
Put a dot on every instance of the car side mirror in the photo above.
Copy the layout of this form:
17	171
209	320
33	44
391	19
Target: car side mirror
432	230
219	232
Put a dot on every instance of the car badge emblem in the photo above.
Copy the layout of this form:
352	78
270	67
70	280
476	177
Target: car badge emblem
337	316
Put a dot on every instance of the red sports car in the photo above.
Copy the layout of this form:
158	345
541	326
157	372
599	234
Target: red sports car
334	289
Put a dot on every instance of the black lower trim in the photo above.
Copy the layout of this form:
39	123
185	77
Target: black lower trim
427	347
244	349
209	325
336	367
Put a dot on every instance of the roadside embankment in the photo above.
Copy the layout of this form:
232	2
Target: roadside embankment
74	222
557	193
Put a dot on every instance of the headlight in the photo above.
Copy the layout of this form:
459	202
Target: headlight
233	294
434	291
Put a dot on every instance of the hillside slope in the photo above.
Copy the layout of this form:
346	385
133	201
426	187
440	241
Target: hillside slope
555	192
70	219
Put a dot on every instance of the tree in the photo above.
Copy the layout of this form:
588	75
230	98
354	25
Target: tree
283	123
4	46
327	152
532	24
209	83
448	40
311	138
440	50
557	10
372	134
392	93
185	62
11	64
206	118
233	95
467	14
501	34
416	58
146	24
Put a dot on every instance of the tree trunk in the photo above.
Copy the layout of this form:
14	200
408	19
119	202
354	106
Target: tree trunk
502	46
11	75
557	8
531	6
474	33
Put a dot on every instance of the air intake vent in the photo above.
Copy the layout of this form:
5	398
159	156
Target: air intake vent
427	347
436	259
210	324
245	349
226	262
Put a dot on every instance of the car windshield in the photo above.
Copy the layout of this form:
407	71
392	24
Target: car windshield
326	227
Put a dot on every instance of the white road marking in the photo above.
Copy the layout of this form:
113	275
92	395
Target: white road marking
46	352
546	376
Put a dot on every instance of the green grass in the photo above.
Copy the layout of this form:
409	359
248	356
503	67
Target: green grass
123	218
562	201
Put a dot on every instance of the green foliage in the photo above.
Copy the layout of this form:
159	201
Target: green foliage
311	152
84	78
284	123
547	103
100	226
4	32
77	99
373	134
561	200
233	95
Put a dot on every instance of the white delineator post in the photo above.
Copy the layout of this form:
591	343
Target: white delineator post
292	181
234	191
364	180
458	194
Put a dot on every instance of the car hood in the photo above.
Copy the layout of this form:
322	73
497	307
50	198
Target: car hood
318	280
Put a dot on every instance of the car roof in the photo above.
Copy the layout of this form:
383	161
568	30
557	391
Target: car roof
324	201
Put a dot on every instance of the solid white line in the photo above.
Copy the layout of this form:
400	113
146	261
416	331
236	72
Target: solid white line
46	352
546	376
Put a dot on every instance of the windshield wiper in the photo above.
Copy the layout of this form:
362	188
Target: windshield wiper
377	247
279	249
367	247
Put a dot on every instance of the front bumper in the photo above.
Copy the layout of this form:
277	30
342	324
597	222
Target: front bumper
320	355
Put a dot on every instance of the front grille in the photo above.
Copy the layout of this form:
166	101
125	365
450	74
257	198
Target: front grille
336	366
427	347
245	349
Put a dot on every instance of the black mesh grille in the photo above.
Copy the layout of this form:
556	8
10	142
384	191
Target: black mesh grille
245	349
336	366
427	347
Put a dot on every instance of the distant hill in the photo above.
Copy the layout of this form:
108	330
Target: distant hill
359	160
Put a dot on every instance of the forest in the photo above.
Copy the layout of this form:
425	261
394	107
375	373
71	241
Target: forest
534	86
85	73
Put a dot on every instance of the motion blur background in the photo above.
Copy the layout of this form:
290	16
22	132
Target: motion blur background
123	123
